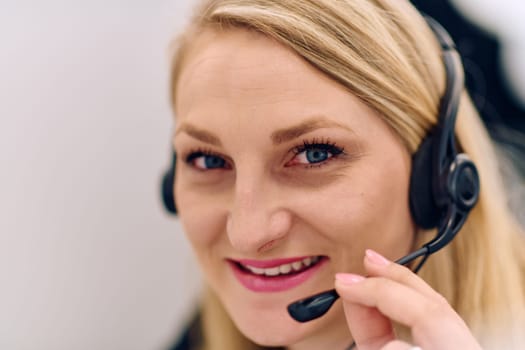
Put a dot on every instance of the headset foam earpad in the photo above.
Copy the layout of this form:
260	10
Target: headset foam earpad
422	204
167	190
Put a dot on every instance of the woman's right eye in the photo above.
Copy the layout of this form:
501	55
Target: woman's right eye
206	161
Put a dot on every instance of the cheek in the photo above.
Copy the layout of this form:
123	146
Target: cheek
369	209
380	212
203	223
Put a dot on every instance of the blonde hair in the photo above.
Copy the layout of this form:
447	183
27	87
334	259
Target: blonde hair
383	52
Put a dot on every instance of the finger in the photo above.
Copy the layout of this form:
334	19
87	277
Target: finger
432	322
370	329
378	266
394	300
398	345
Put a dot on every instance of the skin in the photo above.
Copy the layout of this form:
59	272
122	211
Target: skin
393	292
239	95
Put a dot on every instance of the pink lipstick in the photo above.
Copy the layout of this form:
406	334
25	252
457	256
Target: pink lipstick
277	274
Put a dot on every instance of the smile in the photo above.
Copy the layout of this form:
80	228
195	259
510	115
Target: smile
275	275
284	269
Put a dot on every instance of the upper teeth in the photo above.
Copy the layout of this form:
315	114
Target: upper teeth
284	268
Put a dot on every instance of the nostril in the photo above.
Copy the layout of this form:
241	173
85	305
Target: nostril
259	230
266	246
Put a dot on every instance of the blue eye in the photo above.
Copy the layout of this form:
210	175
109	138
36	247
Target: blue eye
315	153
204	161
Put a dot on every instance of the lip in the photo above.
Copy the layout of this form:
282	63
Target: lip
270	263
267	284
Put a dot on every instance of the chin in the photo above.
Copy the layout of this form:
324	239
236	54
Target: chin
262	315
275	332
273	326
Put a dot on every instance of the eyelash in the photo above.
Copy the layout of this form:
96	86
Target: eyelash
323	144
307	145
200	152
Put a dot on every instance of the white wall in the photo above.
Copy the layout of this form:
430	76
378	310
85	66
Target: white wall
88	259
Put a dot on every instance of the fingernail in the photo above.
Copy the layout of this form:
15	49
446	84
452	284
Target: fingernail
376	258
348	278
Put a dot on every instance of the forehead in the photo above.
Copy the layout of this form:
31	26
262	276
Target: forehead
239	82
237	48
246	50
247	67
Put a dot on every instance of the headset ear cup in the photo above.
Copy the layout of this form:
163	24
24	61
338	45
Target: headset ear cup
167	189
422	204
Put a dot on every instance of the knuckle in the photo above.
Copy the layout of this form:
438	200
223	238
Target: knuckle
432	311
441	300
400	273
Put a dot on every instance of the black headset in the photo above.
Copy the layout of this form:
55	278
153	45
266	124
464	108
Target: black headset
444	184
167	187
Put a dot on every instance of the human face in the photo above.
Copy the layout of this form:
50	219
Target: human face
278	163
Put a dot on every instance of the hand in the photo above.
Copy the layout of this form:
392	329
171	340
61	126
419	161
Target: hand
393	292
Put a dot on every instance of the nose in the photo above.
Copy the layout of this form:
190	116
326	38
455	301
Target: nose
257	221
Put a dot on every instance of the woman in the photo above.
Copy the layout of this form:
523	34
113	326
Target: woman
296	124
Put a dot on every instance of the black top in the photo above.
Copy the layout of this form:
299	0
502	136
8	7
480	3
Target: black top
191	338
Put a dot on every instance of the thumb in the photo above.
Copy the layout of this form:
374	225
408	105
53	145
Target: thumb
370	329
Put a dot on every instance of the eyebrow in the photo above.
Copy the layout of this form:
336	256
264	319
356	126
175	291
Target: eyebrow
278	137
284	135
199	134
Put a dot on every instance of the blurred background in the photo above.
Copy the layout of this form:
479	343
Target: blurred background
88	258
